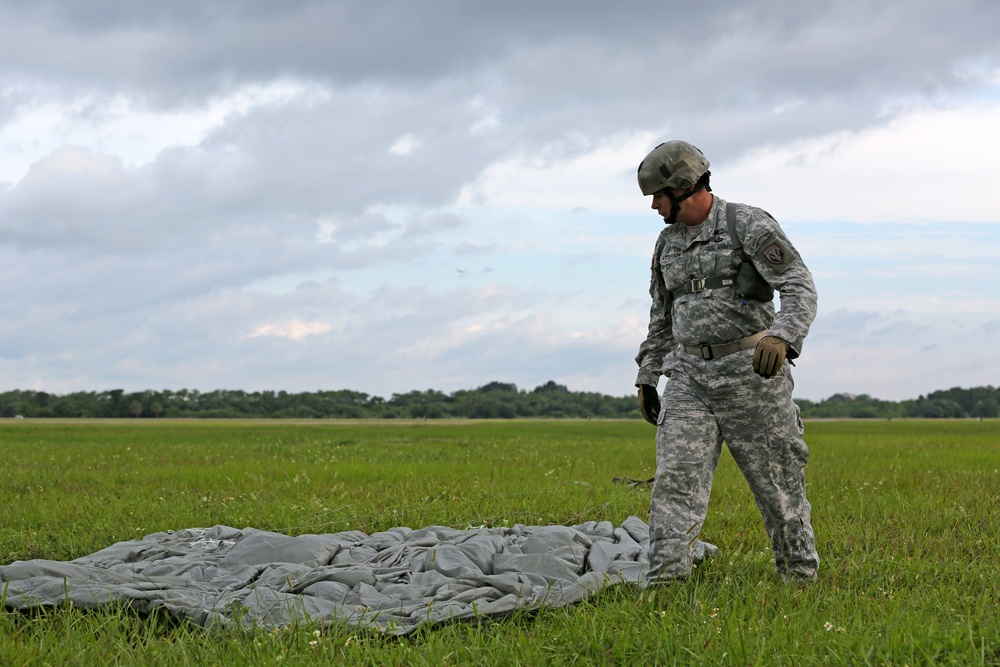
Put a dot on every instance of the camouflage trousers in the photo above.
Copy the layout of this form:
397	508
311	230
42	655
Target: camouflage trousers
706	403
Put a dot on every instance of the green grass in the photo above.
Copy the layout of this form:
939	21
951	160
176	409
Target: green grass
906	513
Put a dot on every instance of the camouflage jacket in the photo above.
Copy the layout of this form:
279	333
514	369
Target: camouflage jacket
713	316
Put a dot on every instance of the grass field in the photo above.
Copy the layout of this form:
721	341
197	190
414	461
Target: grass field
906	514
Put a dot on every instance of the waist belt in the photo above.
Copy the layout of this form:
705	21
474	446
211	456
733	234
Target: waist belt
722	349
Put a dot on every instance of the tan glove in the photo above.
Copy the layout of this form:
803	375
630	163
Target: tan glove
769	356
649	403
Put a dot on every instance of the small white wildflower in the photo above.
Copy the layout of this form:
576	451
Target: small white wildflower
828	625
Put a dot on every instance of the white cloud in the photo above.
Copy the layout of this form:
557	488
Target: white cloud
486	116
75	162
597	176
405	145
924	166
927	165
293	330
115	124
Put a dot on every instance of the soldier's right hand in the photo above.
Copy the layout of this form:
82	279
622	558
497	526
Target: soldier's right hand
649	403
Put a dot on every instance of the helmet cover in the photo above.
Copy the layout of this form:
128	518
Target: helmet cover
674	164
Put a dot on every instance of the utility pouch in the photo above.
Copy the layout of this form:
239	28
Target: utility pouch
749	283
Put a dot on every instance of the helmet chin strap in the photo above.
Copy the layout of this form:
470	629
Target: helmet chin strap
675	203
672	218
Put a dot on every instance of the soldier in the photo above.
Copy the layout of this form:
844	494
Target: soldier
714	333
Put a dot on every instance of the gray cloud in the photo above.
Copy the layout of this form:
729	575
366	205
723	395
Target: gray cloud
532	57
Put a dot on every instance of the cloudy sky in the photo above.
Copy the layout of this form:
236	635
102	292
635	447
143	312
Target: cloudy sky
398	195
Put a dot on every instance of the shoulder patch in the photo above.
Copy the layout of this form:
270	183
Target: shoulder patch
776	253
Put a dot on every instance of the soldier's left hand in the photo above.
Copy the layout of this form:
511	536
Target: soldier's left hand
769	356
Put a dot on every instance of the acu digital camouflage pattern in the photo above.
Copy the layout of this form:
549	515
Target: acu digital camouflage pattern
708	401
714	316
704	404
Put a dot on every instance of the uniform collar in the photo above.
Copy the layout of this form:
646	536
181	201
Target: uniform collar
708	227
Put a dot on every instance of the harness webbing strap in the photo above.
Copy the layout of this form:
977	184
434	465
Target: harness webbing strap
715	282
731	223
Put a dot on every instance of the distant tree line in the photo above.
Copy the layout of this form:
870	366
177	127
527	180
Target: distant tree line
955	403
496	400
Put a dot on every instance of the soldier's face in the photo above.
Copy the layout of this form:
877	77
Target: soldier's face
662	203
665	207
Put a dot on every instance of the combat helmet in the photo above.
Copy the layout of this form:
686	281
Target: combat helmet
673	164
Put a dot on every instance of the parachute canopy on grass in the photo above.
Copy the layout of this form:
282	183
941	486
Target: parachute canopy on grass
393	581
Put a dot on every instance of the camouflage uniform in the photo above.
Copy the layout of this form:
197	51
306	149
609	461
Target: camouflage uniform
708	401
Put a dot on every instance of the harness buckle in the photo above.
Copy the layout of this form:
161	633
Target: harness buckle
696	284
706	352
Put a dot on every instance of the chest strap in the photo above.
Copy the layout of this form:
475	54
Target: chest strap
699	284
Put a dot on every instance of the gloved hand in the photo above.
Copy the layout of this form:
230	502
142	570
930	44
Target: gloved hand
769	356
649	403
